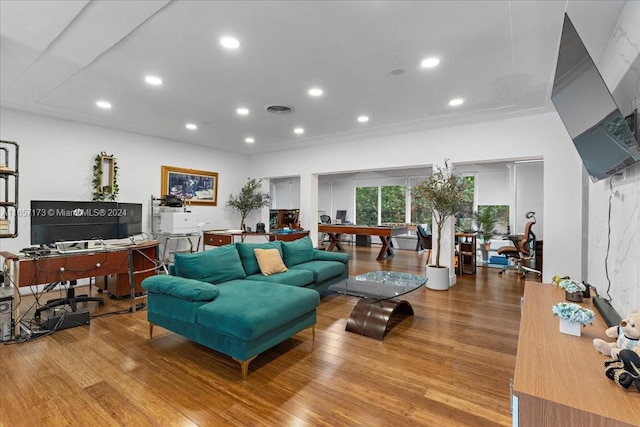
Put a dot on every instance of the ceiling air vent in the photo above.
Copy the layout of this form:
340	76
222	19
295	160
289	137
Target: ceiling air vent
279	109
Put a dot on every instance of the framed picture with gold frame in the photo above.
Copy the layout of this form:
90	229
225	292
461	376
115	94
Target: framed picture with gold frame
194	186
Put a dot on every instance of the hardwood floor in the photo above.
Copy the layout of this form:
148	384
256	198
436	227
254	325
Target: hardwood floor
448	365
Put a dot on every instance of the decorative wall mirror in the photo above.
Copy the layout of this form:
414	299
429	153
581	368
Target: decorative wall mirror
105	171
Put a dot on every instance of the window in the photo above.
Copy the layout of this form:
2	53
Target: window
464	219
420	212
393	204
367	205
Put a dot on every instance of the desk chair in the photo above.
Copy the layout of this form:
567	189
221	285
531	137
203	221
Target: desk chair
522	252
425	241
71	300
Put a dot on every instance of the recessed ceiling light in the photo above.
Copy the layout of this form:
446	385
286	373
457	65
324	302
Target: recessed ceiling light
153	80
298	131
191	126
430	62
104	104
229	42
397	71
315	91
456	101
363	119
249	140
242	111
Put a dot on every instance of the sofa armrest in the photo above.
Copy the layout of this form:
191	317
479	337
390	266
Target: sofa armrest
180	287
319	255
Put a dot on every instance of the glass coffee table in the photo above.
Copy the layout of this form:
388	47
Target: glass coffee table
380	293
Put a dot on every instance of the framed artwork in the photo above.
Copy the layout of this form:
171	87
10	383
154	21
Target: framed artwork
195	186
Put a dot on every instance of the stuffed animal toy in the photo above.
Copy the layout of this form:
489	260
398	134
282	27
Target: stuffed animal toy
627	335
625	370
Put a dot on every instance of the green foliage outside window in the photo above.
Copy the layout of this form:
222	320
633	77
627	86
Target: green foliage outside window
367	205
393	203
465	214
420	212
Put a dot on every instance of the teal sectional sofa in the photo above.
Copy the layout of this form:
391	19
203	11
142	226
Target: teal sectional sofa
220	299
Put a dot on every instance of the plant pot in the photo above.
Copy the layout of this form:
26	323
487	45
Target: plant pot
485	253
437	278
570	328
573	296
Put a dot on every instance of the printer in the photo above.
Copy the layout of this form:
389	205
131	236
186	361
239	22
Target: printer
178	223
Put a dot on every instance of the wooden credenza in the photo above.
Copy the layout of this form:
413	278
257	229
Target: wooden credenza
559	379
133	262
216	238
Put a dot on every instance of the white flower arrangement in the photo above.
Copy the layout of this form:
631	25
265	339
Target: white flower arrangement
573	313
572	286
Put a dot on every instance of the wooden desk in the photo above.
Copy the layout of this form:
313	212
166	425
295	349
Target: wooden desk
559	379
128	264
334	231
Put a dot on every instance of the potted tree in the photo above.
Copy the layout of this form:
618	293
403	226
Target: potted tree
443	193
486	218
249	199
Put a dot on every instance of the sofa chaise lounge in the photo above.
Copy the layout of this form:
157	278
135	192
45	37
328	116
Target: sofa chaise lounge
221	298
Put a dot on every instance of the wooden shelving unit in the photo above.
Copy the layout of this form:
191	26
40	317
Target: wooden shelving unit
9	156
281	218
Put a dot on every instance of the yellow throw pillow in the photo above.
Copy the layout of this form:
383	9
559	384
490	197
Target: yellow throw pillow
270	261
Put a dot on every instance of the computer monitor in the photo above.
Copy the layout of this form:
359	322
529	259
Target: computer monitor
341	215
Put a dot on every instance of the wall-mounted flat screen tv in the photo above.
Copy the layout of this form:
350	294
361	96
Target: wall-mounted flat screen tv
594	122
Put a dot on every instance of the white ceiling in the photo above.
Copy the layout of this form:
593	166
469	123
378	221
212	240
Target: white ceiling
58	58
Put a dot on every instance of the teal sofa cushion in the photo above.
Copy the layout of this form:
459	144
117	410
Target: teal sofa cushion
248	257
297	251
291	277
330	256
179	287
322	270
213	266
248	309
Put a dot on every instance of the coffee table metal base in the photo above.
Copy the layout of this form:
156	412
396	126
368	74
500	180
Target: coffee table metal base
371	317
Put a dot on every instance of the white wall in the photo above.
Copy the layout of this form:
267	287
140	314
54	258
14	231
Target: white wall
614	242
56	160
492	188
343	198
325	198
529	196
535	136
285	193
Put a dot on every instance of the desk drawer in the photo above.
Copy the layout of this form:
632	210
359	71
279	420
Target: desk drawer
217	239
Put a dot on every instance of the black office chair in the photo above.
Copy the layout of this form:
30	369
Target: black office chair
523	250
425	241
71	300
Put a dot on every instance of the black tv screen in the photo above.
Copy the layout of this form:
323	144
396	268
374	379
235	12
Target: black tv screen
594	122
129	219
57	221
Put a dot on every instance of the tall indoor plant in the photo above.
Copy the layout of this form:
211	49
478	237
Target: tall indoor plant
249	199
486	218
443	193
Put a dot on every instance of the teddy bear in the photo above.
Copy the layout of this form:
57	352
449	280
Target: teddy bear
627	335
